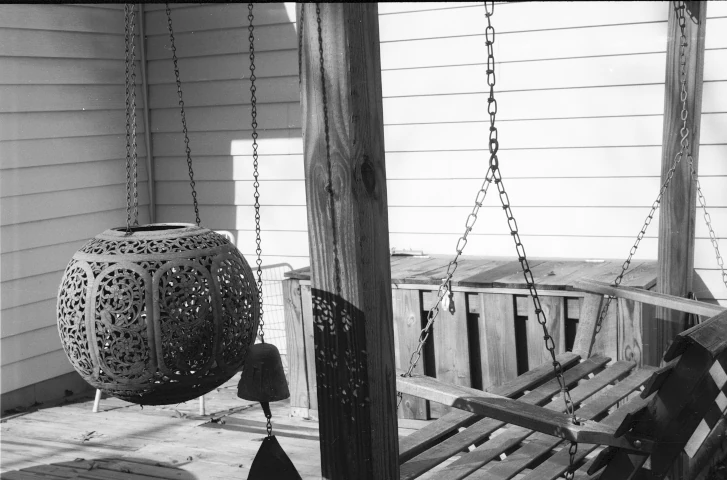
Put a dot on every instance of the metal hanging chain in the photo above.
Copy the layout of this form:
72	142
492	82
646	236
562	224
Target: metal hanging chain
494	146
690	159
184	118
444	288
132	88
300	43
445	285
683	151
494	173
329	163
707	220
128	120
130	101
337	306
256	183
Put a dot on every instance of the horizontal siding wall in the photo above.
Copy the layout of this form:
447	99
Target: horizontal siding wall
580	90
213	50
62	172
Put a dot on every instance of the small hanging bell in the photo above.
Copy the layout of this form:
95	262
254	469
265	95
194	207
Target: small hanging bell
263	379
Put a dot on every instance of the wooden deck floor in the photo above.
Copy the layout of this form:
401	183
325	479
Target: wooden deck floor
125	441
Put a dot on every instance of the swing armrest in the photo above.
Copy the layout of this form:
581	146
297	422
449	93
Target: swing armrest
518	413
649	297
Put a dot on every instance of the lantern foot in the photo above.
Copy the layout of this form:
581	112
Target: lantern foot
272	462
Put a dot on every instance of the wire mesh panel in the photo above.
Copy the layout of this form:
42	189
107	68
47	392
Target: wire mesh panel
273	305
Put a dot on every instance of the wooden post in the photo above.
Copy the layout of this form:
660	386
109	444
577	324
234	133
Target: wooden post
678	206
349	242
295	339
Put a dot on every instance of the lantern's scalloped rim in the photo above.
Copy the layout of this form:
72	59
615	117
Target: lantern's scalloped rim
153	231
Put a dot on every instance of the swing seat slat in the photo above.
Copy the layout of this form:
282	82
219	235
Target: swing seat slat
486	426
516	412
429	435
556	465
514	435
538	444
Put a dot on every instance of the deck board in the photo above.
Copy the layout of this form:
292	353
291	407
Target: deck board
125	442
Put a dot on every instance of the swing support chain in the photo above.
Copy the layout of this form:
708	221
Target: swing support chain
493	174
707	220
445	285
494	146
684	151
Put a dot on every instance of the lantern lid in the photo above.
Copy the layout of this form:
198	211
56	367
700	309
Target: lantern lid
153	231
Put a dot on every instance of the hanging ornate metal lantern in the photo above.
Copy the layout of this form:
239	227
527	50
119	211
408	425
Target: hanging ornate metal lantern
161	313
160	316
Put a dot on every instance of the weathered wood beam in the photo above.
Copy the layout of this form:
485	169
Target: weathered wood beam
678	206
349	241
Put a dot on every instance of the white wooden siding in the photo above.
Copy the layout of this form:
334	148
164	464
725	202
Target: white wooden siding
580	103
212	46
580	94
62	167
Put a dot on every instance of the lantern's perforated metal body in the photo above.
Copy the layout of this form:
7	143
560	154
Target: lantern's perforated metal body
160	316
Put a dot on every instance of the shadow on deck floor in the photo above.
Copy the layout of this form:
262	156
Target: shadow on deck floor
125	441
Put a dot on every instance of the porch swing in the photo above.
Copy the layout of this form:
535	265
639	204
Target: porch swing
679	405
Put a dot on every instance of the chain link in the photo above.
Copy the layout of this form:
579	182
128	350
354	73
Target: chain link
707	220
341	324
446	281
690	159
329	163
494	174
269	425
184	118
444	288
683	151
134	163
255	163
300	43
494	146
130	101
127	80
572	451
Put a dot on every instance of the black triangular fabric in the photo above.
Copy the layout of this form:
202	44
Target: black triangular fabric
271	462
